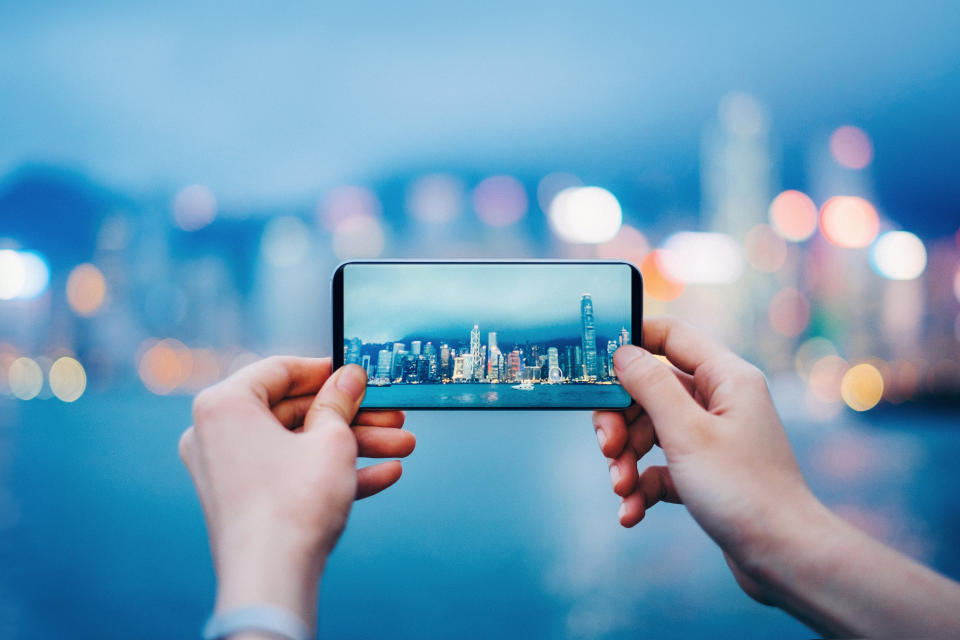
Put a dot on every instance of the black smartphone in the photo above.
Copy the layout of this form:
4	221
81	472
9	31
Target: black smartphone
464	334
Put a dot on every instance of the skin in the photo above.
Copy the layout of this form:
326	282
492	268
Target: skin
273	455
730	463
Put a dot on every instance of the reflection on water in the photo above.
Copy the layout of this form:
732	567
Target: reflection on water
502	525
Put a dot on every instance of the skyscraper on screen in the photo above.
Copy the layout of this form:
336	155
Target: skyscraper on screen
589	336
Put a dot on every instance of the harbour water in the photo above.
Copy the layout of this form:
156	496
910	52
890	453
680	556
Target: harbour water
504	394
503	525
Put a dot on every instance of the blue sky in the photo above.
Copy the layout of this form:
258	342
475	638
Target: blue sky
267	103
384	303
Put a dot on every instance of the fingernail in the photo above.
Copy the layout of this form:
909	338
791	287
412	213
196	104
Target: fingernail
352	380
601	437
614	473
626	354
622	510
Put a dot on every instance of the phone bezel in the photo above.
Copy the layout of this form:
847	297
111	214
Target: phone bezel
336	291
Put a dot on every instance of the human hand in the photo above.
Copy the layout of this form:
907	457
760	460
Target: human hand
273	458
728	458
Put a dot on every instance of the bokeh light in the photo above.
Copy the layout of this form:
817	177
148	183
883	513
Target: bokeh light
849	221
552	184
25	378
358	237
500	201
194	207
851	147
793	215
898	255
435	198
86	289
587	215
808	353
205	370
789	312
68	380
164	365
861	387
825	377
764	250
695	257
345	202
629	244
658	283
13	274
956	284
285	241
36	275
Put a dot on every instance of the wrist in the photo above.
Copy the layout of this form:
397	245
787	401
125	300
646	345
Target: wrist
269	570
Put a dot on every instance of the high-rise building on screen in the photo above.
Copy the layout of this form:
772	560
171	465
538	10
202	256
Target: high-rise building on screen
384	365
589	336
474	353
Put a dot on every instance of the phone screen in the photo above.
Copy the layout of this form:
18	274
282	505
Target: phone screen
487	335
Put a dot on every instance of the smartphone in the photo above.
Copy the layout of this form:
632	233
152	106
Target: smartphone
523	334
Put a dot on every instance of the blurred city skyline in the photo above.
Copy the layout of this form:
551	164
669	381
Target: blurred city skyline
146	99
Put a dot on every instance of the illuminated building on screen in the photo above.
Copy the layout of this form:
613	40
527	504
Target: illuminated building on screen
589	338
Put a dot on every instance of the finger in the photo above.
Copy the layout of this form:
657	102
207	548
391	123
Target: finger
611	430
392	419
290	412
653	385
376	478
384	442
278	377
654	485
337	401
680	342
641	436
623	473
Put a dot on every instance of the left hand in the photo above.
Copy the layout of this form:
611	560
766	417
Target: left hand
273	456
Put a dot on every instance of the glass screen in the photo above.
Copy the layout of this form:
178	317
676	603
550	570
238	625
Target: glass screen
487	335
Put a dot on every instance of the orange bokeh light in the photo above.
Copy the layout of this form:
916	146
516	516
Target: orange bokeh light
849	221
793	215
657	283
165	365
86	289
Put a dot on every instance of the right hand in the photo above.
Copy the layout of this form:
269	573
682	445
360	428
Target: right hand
728	458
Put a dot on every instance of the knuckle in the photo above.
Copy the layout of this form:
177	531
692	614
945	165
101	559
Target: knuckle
205	404
185	446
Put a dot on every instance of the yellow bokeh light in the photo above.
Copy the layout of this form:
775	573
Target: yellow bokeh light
862	387
25	378
68	380
86	289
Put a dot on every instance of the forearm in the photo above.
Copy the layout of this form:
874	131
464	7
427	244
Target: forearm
840	581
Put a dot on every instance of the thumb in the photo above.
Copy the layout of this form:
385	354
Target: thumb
658	391
338	400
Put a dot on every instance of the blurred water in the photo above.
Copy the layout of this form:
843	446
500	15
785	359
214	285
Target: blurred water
502	525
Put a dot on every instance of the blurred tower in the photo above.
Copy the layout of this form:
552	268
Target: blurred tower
589	336
353	351
736	187
624	337
415	347
431	353
365	363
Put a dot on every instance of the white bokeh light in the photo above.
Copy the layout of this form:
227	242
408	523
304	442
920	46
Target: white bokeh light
898	255
585	215
708	258
36	275
13	274
194	207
